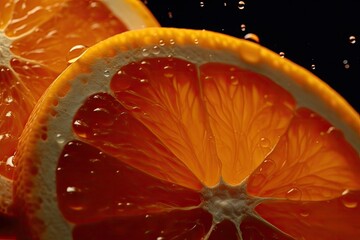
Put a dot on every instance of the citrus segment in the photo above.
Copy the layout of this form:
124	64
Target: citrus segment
164	95
79	200
247	114
103	122
312	161
332	219
191	224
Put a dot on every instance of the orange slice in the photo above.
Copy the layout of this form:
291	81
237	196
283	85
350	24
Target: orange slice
167	133
38	40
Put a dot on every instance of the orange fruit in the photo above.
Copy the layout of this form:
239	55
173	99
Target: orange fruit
168	133
38	40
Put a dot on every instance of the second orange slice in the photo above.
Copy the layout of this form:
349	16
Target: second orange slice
38	40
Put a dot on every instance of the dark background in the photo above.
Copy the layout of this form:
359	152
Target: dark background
309	32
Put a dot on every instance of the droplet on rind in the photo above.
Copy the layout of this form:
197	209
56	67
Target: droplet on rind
156	50
60	139
145	52
252	37
106	73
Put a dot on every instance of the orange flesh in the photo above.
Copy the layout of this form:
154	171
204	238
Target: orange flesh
40	36
331	219
173	128
80	200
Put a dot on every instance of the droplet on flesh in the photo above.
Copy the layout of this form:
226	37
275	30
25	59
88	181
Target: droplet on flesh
349	200
294	194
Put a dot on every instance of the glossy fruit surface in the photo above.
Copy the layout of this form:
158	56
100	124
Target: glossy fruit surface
185	134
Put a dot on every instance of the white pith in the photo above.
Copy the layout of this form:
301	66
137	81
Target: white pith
60	127
5	53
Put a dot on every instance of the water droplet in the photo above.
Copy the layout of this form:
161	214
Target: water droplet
10	162
234	80
103	117
202	4
162	42
106	73
352	39
313	66
252	37
156	50
346	64
72	189
60	139
225	4
168	72
143	80
172	41
266	167
75	52
160	238
265	142
9	99
294	194
136	109
349	200
330	130
9	114
241	5
243	27
75	198
282	54
304	213
170	14
145	52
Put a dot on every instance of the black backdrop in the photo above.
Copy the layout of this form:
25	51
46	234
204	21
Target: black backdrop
316	34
